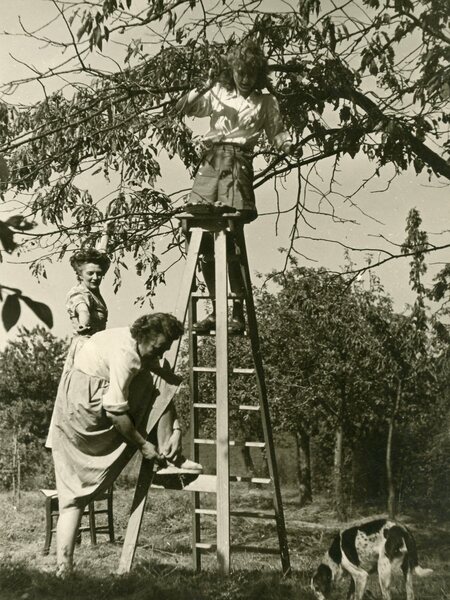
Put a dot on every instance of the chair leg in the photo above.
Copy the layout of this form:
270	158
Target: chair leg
110	516
92	527
48	526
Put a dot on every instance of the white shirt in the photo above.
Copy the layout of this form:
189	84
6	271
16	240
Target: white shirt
239	120
111	355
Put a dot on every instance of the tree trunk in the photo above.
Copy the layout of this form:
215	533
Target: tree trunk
339	502
392	495
303	453
248	461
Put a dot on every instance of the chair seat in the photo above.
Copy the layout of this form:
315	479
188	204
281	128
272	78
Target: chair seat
92	511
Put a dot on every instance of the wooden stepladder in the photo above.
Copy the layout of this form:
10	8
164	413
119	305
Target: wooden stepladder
195	227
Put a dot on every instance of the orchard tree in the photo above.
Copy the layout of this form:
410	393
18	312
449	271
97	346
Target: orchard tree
320	357
30	369
365	78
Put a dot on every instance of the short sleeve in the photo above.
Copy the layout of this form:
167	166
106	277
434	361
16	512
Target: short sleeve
75	298
123	366
202	107
273	123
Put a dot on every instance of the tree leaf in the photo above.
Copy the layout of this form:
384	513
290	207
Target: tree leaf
41	310
10	311
7	238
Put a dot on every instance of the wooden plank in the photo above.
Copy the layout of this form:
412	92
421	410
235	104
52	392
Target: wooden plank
135	520
167	392
222	412
188	483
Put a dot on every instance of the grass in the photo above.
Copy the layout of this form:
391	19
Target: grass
162	567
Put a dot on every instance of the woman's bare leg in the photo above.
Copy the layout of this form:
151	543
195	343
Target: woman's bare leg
66	534
165	427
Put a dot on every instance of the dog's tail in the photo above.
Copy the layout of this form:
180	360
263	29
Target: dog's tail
421	572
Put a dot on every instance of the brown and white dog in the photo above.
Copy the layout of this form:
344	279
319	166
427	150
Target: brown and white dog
376	546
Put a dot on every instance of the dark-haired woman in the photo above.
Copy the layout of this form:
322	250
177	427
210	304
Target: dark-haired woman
239	113
104	403
84	303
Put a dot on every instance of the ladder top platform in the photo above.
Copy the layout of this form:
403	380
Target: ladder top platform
210	222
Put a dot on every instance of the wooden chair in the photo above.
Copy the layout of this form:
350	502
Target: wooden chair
101	505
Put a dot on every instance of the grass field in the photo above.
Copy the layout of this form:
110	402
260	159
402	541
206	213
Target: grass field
162	568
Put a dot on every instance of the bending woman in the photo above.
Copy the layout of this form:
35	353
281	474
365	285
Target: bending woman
101	412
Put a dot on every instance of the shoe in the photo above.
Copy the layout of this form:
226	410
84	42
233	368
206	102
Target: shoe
181	466
236	326
198	208
64	571
206	325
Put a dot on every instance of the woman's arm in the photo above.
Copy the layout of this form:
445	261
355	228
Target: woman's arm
83	317
187	103
124	425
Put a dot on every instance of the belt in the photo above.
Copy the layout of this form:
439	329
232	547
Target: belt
240	147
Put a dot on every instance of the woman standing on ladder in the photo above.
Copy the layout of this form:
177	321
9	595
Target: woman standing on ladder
239	113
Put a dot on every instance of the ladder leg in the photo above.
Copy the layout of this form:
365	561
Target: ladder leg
195	450
146	471
222	412
135	520
267	427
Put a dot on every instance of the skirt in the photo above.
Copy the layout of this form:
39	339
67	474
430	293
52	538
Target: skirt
226	175
88	451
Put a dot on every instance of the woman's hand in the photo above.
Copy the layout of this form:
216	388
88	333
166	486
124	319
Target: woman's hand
149	452
173	446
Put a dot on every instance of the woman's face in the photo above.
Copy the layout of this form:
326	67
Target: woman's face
154	348
244	80
90	275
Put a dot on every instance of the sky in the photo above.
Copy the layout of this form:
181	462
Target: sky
379	216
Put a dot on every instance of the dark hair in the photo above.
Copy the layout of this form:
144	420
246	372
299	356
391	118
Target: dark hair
89	255
248	55
147	326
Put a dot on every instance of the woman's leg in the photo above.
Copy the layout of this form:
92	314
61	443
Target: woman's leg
165	427
66	534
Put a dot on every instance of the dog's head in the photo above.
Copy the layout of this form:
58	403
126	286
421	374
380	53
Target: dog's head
321	582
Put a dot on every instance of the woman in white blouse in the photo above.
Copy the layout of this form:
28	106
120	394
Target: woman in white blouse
240	112
103	406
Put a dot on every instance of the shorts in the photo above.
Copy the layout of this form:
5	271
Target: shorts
226	175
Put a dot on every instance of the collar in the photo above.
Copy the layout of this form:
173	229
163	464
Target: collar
252	97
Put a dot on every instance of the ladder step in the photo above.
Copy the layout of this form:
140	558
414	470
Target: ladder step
250	407
247	479
188	483
251	514
212	333
206	511
205	442
205	547
236	371
239	371
231	295
238	548
201	483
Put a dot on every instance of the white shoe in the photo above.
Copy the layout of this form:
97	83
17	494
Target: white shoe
181	466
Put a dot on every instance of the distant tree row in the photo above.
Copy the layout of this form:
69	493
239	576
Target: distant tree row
358	391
